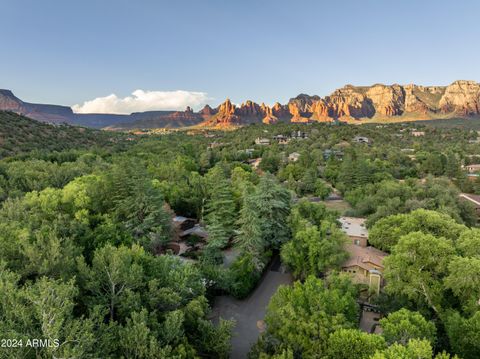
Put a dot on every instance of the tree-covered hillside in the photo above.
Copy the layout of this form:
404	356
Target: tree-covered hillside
121	250
19	134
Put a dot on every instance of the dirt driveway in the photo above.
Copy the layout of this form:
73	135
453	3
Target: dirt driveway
249	313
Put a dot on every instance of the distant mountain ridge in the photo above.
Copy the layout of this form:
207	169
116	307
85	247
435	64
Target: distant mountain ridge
349	103
41	112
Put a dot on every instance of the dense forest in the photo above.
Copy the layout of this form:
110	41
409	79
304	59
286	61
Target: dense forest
19	134
89	239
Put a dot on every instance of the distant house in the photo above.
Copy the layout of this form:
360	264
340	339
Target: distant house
355	229
281	139
334	196
329	153
294	156
299	135
361	139
215	145
473	199
249	151
472	168
262	141
365	265
418	133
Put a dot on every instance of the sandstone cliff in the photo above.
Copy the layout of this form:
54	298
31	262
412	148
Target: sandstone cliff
462	97
357	104
349	103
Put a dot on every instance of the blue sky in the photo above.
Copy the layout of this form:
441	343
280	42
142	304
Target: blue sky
68	52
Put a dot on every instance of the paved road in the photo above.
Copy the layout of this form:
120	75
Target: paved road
249	313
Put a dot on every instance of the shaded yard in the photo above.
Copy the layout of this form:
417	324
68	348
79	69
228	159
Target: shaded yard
338	205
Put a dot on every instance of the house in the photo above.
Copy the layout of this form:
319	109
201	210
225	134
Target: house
328	153
365	265
249	151
334	196
473	199
195	231
300	135
183	228
355	229
216	144
472	168
183	223
294	156
262	141
281	139
361	139
418	133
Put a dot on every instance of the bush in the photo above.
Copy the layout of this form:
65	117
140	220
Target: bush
243	276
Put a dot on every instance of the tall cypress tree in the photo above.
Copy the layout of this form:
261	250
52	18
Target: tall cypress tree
263	219
273	203
250	239
220	208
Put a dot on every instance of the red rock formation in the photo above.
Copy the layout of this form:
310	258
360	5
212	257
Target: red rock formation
280	111
413	102
462	98
249	109
459	99
206	112
321	111
294	111
349	102
387	100
268	117
225	116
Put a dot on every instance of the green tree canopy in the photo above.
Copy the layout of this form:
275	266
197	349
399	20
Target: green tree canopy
386	232
403	325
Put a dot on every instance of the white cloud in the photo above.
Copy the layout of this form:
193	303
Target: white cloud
143	101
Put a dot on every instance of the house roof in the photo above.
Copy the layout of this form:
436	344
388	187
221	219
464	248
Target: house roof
354	227
195	230
361	138
368	258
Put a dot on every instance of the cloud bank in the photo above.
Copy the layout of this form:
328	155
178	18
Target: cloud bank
141	100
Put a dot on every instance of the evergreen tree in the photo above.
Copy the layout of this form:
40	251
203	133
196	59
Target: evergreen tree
220	208
273	203
250	239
